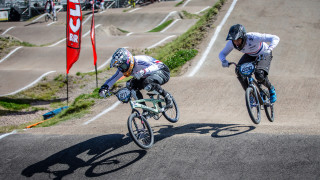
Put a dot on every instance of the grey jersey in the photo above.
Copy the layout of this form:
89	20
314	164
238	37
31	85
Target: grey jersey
255	45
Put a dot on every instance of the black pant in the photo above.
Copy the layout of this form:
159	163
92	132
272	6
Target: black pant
152	82
261	72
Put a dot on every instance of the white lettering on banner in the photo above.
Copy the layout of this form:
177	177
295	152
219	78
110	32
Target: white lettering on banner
75	1
73	38
76	27
75	12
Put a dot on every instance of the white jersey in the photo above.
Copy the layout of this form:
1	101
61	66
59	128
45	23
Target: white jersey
141	62
255	45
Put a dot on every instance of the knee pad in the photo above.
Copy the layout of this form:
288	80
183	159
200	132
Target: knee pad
260	75
148	87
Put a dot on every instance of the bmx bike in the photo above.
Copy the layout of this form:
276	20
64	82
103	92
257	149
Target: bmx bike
49	16
139	128
257	95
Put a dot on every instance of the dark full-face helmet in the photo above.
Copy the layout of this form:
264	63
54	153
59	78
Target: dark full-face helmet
237	31
121	59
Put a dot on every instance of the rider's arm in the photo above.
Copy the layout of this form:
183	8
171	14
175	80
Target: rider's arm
151	69
272	39
226	50
110	82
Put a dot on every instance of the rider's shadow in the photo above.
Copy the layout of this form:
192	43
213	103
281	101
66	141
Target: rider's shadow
103	158
216	130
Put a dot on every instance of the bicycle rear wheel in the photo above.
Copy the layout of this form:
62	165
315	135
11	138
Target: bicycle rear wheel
46	18
140	131
268	107
253	105
172	114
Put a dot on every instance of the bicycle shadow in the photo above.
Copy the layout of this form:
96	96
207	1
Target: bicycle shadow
101	148
219	130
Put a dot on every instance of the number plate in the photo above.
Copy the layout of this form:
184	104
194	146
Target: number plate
246	69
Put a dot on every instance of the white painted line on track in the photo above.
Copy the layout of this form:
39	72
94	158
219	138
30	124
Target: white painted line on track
164	20
170	25
202	10
10	54
129	34
51	23
87	33
7	30
66	38
39	17
161	41
7	134
134	10
103	112
213	39
87	19
186	3
57	42
31	84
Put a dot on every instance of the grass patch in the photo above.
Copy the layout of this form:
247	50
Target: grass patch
181	2
186	43
77	109
8	41
14	104
161	26
189	15
46	90
124	31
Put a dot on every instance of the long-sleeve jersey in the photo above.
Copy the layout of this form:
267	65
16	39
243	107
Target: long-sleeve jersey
141	62
255	45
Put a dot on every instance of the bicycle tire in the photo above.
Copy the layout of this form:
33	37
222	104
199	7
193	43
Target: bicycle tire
46	18
171	114
250	94
140	131
268	107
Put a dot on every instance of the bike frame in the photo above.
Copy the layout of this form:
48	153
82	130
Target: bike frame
138	104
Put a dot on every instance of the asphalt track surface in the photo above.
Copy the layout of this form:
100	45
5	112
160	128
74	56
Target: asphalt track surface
214	138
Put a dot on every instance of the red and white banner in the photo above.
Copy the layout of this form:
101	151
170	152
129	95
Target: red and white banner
74	31
93	38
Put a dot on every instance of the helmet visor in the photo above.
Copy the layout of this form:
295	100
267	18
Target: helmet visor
123	67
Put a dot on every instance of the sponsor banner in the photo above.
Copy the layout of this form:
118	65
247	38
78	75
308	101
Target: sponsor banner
74	31
4	16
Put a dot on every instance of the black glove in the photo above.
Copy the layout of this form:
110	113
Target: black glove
103	90
103	87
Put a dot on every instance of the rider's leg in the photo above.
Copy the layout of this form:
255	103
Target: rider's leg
261	74
244	59
155	81
137	85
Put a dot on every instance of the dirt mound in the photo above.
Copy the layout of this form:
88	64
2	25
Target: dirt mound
108	31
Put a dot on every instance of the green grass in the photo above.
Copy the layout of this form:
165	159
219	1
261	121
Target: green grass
189	15
124	31
14	104
161	26
77	109
181	2
187	43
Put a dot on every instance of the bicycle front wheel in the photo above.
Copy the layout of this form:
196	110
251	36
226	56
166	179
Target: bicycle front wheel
140	131
253	105
172	114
